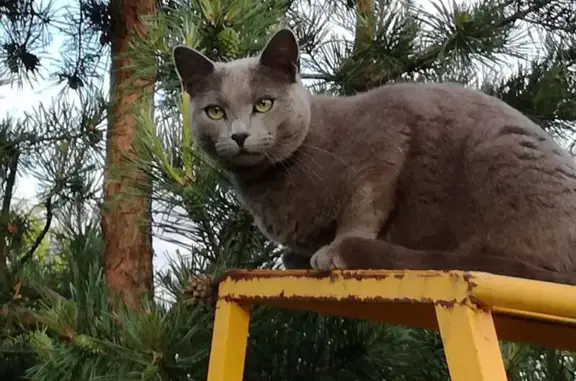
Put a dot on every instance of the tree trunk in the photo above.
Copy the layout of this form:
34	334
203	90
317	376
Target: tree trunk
11	170
126	214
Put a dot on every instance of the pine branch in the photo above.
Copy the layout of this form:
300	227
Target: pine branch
428	59
35	140
38	240
27	318
521	14
30	320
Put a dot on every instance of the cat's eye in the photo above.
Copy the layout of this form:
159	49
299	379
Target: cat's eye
215	112
263	105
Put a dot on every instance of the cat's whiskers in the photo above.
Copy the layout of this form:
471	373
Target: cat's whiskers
327	188
322	150
308	170
301	162
287	171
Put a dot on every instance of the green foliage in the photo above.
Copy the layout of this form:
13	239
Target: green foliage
57	144
82	338
527	363
222	29
544	90
27	28
157	344
60	325
302	345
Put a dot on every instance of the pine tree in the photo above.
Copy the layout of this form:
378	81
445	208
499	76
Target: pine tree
126	210
50	143
379	42
58	143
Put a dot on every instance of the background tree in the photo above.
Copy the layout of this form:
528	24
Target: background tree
64	160
57	143
347	47
126	215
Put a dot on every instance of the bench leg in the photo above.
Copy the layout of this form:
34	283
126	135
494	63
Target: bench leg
229	341
470	344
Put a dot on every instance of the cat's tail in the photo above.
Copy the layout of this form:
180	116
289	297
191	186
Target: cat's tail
363	253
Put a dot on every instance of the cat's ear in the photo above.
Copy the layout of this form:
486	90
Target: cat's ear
281	53
191	65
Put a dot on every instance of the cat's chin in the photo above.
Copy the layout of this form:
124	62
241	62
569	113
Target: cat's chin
246	159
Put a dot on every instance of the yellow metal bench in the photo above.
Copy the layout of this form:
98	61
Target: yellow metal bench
471	310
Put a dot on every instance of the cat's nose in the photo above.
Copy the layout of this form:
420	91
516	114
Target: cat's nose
240	138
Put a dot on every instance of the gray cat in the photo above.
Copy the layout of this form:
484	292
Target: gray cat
404	176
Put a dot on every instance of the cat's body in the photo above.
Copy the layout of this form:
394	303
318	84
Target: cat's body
444	177
494	181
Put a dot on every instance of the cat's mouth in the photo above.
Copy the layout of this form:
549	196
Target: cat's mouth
240	156
247	158
244	152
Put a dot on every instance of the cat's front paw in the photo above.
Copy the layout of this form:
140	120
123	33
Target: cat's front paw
295	261
328	258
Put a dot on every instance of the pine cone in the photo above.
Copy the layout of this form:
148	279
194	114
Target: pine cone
230	41
200	290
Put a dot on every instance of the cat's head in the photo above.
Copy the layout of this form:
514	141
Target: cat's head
247	111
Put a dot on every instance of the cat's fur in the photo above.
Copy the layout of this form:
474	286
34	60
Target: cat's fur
413	176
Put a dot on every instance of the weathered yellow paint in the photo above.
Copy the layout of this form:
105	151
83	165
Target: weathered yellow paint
470	309
470	344
533	315
526	295
229	340
413	286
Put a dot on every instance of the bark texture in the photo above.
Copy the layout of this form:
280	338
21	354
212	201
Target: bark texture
126	214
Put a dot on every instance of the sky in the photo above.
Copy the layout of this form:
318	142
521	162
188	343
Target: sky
15	101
